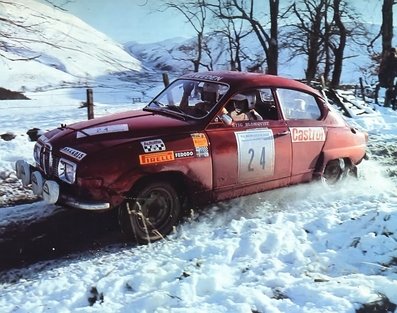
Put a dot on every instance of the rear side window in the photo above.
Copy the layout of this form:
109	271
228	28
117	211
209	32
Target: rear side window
298	105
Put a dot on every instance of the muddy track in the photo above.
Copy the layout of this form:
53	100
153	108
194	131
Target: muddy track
63	233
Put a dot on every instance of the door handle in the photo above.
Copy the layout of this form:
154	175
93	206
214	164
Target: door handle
284	133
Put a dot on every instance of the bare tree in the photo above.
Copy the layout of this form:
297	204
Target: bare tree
321	35
306	35
196	14
338	49
234	32
387	25
244	10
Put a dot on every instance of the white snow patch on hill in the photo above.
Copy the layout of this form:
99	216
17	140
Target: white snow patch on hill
64	49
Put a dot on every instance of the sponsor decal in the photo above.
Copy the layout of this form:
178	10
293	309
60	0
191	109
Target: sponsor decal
102	130
157	157
201	144
251	124
76	154
202	152
154	145
204	76
307	134
184	154
199	140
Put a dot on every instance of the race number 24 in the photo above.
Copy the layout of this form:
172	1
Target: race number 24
262	160
255	154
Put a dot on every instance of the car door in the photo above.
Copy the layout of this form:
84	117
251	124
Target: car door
250	156
303	117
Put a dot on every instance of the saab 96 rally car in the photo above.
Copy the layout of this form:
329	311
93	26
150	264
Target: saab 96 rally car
207	137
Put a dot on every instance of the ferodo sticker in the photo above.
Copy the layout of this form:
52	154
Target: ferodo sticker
201	144
158	157
184	154
256	154
154	145
307	134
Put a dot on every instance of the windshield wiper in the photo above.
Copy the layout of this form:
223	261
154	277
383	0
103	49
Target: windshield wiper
158	104
173	107
166	110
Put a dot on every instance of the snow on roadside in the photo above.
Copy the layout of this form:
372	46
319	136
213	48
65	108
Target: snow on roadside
278	251
297	249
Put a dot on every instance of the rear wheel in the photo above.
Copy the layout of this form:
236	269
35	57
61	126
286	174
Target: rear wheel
334	172
151	213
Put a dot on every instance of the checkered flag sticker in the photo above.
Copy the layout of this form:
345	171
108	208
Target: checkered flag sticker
153	145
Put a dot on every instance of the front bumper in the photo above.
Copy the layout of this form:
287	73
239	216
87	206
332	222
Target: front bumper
50	190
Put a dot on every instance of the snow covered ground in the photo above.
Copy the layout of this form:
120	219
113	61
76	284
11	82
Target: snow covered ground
298	249
304	248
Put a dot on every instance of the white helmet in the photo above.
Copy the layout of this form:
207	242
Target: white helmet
251	98
210	92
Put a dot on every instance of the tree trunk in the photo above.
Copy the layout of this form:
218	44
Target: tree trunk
339	51
272	61
387	25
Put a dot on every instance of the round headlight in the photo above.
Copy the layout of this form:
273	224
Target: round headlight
67	171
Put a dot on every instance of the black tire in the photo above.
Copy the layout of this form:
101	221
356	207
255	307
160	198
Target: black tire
334	172
151	212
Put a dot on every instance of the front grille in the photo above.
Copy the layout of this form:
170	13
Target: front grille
47	162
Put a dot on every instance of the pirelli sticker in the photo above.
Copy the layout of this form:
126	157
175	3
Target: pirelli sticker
307	134
158	157
200	143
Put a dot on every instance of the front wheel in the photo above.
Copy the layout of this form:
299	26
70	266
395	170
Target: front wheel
151	213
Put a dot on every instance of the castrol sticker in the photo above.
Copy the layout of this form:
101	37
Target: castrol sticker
158	157
307	134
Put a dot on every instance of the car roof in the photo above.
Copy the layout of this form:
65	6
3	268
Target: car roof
244	80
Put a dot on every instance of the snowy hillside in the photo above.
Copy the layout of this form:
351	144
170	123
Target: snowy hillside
43	46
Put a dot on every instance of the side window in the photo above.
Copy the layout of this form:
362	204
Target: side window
298	105
266	106
252	105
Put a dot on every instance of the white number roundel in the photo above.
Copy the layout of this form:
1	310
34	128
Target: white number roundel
255	150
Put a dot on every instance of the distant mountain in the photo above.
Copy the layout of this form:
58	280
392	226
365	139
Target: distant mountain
174	55
41	46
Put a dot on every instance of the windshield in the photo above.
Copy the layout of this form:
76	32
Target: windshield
189	98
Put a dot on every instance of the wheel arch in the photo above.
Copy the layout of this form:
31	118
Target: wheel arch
178	180
326	157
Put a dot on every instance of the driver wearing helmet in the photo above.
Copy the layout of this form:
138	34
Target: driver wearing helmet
244	108
209	96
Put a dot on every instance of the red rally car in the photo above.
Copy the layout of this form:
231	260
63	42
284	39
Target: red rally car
207	137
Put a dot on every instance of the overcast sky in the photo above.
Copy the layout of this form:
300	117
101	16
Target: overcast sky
140	20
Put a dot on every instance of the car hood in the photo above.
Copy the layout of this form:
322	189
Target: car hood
116	129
